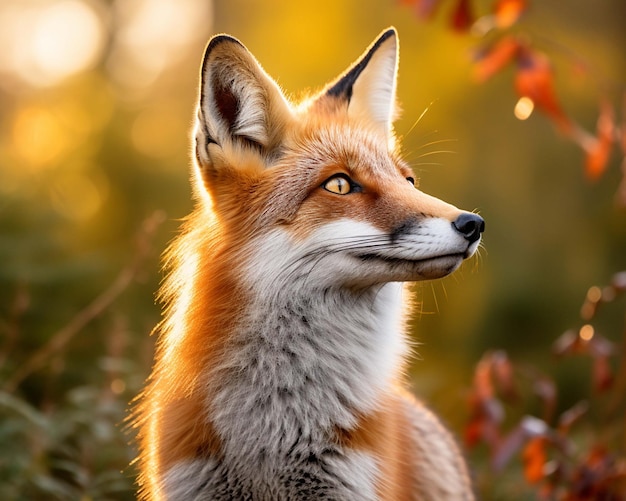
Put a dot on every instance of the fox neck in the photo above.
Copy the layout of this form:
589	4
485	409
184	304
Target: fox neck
304	362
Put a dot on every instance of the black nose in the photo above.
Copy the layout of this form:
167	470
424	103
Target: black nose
470	226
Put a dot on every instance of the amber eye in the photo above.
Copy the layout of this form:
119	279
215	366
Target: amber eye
339	185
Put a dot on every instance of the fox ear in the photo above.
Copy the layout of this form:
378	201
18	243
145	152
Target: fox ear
368	87
239	103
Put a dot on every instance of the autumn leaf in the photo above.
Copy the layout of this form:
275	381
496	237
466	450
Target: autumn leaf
618	281
534	458
534	80
566	344
507	12
599	150
493	59
528	428
462	16
546	390
486	410
502	370
602	374
482	377
571	416
424	9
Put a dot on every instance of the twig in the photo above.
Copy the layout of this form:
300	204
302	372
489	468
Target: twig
63	336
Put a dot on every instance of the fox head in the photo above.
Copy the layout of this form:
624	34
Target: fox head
318	189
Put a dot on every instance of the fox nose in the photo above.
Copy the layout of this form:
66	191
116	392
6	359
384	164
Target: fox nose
470	226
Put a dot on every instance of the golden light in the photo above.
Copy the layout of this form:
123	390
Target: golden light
38	138
152	138
594	294
78	196
524	108
586	332
152	34
47	44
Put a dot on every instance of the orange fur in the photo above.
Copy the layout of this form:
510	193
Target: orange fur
261	168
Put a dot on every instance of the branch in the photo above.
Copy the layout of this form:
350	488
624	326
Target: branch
64	335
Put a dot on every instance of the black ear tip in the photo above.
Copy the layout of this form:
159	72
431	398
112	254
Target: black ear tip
389	32
343	87
219	40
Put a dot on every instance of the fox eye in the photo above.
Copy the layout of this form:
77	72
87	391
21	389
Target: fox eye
340	185
411	180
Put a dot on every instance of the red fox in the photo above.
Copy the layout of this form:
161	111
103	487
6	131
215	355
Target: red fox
280	363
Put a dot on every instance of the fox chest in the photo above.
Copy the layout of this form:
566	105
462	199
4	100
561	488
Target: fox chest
309	476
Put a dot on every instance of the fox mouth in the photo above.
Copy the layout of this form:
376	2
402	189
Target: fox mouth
400	261
402	269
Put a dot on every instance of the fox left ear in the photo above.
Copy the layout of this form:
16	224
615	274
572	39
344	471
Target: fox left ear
368	87
240	105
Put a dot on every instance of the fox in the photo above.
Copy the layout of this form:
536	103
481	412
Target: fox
281	359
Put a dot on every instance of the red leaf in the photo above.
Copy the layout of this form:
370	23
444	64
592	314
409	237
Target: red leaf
508	447
495	58
424	9
534	80
508	12
534	457
474	431
619	281
571	416
462	17
529	428
602	374
566	344
545	389
599	346
599	151
484	423
486	411
503	374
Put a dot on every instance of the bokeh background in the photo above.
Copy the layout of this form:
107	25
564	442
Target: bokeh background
96	102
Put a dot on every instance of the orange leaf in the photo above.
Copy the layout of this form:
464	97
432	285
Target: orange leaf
482	378
503	374
496	57
508	12
462	17
600	150
534	457
534	80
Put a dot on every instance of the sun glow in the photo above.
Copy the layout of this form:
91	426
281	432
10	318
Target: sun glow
48	44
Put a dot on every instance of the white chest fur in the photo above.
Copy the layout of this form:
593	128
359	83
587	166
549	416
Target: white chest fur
308	357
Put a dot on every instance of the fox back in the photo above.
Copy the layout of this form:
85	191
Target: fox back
279	370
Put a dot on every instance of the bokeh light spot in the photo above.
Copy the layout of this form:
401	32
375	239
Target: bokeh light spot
38	138
55	40
524	108
586	332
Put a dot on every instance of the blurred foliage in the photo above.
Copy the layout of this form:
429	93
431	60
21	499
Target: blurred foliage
97	99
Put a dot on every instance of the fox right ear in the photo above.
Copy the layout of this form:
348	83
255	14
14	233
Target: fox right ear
368	87
240	105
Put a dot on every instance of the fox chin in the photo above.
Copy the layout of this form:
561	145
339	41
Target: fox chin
280	365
